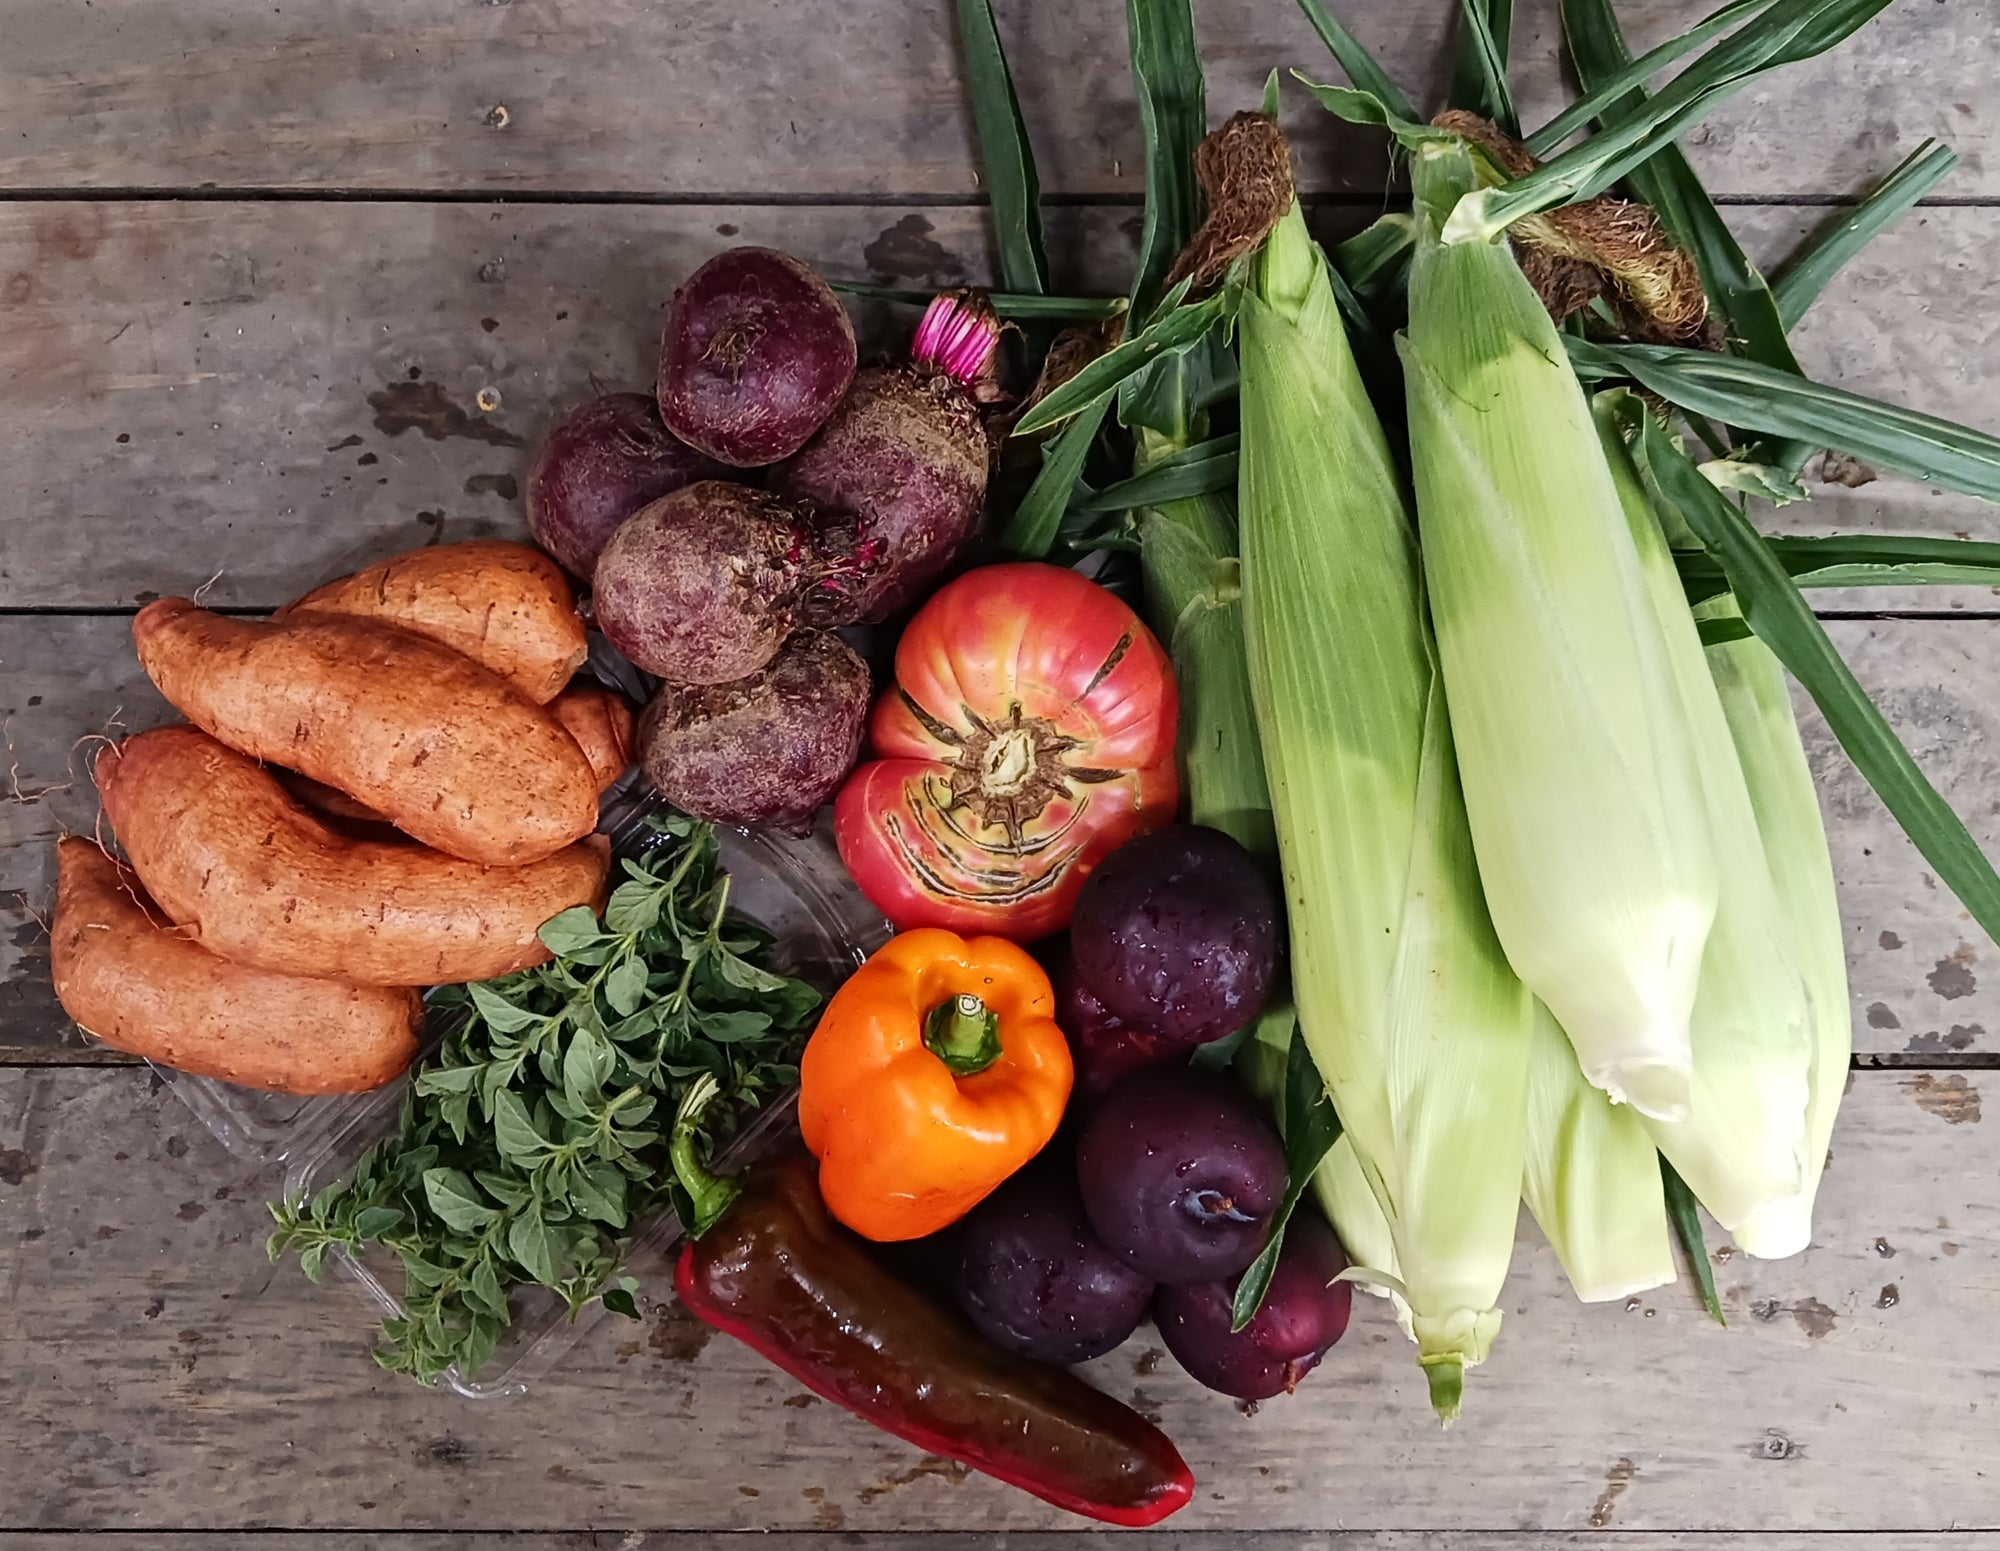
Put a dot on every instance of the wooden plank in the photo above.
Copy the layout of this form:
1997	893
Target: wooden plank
202	394
641	99
1061	1540
162	1374
1926	982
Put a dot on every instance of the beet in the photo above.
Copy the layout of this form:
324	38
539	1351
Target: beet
905	456
599	466
704	585
768	749
756	353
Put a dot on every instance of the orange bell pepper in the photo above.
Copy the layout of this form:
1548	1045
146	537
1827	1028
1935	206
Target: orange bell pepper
934	1073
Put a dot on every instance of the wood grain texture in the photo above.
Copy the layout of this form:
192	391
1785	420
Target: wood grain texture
162	1374
1925	982
630	97
256	397
1059	1540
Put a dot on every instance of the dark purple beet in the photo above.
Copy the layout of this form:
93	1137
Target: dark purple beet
756	353
1037	1281
1178	931
1304	1312
600	465
1105	1050
704	585
1180	1172
768	749
905	456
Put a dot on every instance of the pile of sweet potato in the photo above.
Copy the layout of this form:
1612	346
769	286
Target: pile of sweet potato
389	784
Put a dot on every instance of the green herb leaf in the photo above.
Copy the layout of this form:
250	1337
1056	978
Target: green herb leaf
619	1300
1687	1228
1011	183
502	1014
375	1222
588	1062
513	1130
533	1246
625	986
571	932
633	907
455	1199
1779	614
1311	1128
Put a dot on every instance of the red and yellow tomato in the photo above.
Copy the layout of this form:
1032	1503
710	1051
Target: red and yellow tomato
1030	732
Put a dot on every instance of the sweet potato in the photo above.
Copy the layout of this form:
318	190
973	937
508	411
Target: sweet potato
142	986
504	605
441	747
602	724
256	878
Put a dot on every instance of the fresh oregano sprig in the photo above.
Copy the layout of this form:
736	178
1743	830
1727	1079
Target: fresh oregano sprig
534	1140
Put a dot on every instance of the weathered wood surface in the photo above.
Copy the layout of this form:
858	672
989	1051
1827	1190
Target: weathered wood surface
257	396
161	1375
1926	983
893	1540
758	95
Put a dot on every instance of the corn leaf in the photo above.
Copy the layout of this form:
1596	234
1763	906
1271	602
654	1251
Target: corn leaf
1856	560
1598	98
1174	329
1173	114
1735	289
1762	398
1686	1218
1779	614
1011	183
1032	530
1479	78
1788	31
1806	275
1310	1128
1358	64
1007	304
1198	470
1376	260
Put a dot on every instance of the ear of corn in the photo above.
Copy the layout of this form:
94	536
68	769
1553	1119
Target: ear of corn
1758	705
1592	1177
1405	1000
1743	1142
1580	783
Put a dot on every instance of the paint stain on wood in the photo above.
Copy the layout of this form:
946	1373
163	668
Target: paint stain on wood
908	251
1959	1036
344	443
1952	1099
677	1336
801	1400
504	486
1881	1017
1616	1480
1774	1445
826	1515
948	1470
425	408
72	237
1885	1249
1890	941
1953	978
447	1452
1147	1363
20	286
1837	468
15	1166
1889	1296
1813	1317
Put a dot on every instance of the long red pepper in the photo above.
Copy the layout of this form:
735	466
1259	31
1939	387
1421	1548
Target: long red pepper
777	1273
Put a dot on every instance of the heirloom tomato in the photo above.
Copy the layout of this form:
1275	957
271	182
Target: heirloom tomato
1030	731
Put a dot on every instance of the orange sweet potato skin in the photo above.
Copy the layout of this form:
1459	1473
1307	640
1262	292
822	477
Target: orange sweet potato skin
141	986
506	606
440	746
252	876
603	726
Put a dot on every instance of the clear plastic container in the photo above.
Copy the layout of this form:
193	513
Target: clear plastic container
796	889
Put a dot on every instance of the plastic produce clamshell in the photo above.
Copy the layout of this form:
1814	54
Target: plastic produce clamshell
794	888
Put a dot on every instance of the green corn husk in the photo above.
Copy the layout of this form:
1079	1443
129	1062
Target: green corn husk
1405	1000
1580	782
1592	1177
1743	1142
1758	704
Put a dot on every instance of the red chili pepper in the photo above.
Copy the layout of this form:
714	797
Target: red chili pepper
775	1272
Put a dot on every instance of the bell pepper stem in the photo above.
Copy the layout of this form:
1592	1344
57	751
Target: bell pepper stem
710	1194
964	1033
